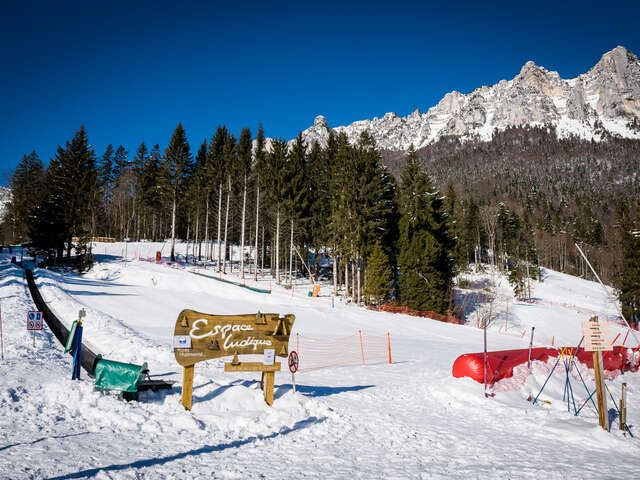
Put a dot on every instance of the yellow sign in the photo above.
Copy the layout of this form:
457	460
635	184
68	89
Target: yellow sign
199	336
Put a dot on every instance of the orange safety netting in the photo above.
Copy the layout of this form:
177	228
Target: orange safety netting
355	349
392	308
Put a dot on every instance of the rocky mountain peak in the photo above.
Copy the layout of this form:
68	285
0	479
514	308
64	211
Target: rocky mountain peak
606	97
320	121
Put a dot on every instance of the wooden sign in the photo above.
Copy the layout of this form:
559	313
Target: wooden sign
596	342
200	336
597	336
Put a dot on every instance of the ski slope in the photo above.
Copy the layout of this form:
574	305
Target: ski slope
410	419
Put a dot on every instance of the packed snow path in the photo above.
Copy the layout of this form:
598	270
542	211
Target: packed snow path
411	419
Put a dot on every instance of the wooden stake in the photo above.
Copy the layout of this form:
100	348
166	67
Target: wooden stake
361	347
187	386
389	344
269	379
623	407
603	413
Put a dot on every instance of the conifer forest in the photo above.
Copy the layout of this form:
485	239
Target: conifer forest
380	226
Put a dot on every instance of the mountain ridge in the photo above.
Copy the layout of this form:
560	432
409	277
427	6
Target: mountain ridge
604	100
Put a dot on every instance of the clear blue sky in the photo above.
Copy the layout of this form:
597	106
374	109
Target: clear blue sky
131	70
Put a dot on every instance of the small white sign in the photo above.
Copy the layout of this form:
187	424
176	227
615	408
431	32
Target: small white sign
181	341
34	320
269	356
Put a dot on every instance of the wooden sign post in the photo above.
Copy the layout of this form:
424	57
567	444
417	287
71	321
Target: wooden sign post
199	336
623	408
597	342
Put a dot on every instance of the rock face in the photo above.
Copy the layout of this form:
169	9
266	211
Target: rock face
606	98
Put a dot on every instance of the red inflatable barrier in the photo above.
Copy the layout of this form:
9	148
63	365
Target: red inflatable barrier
501	364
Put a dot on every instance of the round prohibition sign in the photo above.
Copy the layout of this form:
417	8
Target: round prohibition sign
293	361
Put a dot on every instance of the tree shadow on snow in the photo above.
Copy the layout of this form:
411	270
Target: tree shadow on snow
152	462
318	391
43	438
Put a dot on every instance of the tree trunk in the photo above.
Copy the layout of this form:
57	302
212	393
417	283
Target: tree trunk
196	238
244	207
291	256
173	229
255	270
186	255
206	230
226	228
278	246
353	283
359	283
335	272
219	223
346	279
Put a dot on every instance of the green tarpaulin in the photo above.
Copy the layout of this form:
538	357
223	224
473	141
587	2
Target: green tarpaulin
111	375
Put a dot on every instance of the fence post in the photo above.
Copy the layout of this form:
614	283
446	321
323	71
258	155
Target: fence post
389	344
361	347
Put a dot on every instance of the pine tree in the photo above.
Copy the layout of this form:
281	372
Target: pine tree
177	162
453	212
295	194
275	192
425	260
151	188
259	155
27	185
378	276
218	176
68	203
244	164
105	185
628	281
138	167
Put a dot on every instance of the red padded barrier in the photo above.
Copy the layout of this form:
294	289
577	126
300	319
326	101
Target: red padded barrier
500	364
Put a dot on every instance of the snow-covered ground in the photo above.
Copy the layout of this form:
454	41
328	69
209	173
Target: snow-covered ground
410	419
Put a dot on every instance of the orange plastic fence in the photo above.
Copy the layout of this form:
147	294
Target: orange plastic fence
389	307
315	353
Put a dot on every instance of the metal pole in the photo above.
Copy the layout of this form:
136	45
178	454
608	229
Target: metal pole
484	325
623	407
530	346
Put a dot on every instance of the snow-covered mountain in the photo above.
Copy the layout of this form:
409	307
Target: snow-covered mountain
5	198
606	98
